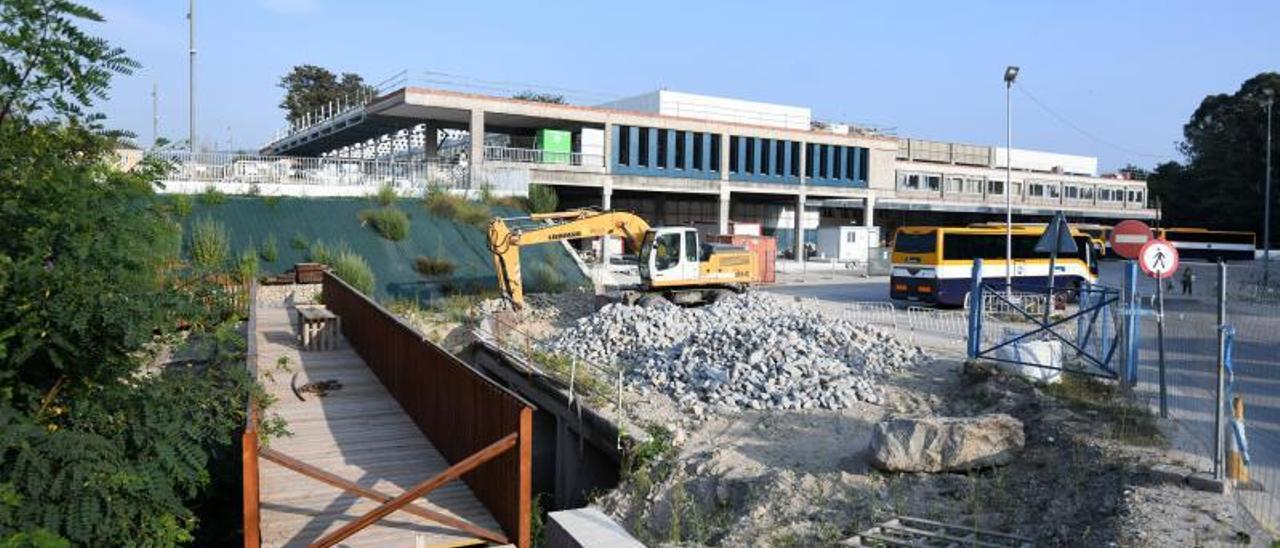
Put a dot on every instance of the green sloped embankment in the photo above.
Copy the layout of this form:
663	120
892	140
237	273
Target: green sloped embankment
296	223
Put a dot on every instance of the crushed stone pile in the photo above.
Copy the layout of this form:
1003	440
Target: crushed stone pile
750	351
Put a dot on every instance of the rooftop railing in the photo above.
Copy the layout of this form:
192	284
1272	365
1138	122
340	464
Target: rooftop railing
537	156
220	167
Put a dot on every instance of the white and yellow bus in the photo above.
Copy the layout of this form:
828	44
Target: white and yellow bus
934	264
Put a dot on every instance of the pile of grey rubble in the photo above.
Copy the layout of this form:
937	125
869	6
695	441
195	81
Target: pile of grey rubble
751	351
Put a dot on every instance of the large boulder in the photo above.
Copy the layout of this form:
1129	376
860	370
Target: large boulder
946	444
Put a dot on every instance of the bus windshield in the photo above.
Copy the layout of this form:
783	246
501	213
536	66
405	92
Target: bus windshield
915	243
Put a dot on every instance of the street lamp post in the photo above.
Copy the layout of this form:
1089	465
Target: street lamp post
1010	74
1266	207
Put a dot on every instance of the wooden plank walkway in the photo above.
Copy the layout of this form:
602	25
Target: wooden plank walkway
357	432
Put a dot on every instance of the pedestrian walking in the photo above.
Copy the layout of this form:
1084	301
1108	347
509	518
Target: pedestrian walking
1188	280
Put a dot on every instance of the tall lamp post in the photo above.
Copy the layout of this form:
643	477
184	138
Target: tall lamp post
191	77
1010	74
1266	207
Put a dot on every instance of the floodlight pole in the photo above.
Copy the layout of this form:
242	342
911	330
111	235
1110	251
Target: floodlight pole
1010	74
1266	207
191	76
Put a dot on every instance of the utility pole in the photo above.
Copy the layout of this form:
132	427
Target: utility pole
155	114
191	76
1266	207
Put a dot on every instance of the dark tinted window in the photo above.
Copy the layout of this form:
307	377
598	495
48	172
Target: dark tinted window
661	161
699	162
992	246
1214	237
680	163
915	243
714	164
643	142
624	145
733	154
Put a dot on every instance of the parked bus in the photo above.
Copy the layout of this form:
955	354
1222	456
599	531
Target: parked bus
935	264
1210	245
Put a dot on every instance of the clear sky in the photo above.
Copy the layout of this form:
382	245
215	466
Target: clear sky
1126	75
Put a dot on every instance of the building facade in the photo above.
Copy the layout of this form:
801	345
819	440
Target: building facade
679	158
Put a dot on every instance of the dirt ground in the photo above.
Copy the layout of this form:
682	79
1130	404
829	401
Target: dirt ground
802	478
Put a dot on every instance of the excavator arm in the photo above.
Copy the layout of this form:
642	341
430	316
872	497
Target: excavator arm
505	243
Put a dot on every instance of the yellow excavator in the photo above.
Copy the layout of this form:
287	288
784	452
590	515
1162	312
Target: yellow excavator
674	262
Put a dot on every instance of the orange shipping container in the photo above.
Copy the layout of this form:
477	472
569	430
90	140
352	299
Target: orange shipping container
765	248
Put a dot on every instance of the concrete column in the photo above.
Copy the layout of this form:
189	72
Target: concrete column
609	155
869	210
476	154
799	230
724	208
724	156
430	141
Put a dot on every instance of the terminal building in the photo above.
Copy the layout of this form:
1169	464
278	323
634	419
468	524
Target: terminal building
725	165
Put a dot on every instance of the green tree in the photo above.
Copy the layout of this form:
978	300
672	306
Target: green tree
1219	183
543	198
98	445
310	87
49	65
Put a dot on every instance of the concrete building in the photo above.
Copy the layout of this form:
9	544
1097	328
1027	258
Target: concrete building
679	158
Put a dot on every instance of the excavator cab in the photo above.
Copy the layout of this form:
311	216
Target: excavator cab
669	255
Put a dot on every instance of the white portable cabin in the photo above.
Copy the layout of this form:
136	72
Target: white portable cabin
848	243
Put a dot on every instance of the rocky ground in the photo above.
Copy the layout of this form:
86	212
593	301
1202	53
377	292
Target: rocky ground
760	414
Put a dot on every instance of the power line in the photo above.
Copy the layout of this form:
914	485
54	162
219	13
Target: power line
1063	119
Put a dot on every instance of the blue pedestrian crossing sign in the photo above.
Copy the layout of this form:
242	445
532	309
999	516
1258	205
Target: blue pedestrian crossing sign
1057	237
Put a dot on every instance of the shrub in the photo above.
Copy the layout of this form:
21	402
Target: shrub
457	208
182	205
212	196
353	269
390	222
320	253
271	201
247	266
430	266
270	252
386	195
543	199
298	242
210	246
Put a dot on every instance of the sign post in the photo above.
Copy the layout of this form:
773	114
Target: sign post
1056	238
1159	260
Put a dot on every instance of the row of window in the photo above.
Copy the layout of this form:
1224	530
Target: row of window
652	148
644	150
974	185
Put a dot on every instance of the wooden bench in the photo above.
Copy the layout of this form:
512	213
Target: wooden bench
318	328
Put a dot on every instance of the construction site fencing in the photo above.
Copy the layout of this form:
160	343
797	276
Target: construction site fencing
1249	328
951	325
457	407
223	167
596	385
873	312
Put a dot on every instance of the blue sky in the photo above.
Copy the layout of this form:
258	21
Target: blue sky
1128	74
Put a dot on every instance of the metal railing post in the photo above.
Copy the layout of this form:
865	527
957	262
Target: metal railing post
1222	354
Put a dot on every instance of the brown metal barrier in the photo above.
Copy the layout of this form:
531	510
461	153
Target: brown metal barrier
465	415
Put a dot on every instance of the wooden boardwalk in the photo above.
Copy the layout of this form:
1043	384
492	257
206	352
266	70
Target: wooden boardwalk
357	432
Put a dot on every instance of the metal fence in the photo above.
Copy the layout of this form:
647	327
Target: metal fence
538	156
457	407
1250	328
222	167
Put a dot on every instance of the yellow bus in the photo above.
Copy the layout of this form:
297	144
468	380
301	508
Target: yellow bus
1210	245
1098	233
934	264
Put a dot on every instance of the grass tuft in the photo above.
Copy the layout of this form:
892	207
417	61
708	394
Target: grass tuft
390	222
270	250
212	196
386	196
430	266
457	208
210	245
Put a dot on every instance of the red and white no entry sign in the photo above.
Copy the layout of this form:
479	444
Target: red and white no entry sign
1159	259
1128	237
